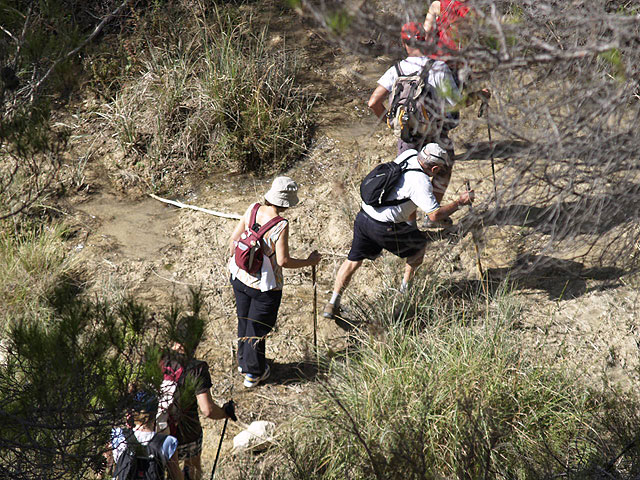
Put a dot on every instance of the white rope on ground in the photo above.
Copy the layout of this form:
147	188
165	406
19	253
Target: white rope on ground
178	204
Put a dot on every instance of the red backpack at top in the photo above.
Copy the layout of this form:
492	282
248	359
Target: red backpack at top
248	254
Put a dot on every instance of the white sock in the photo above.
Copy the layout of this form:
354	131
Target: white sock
335	299
404	287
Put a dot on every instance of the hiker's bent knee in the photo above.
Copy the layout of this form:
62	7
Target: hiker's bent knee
416	260
351	265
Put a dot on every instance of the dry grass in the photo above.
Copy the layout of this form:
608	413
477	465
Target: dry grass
212	96
32	266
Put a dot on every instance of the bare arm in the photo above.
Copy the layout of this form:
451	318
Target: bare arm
446	210
174	468
241	226
376	101
208	407
285	260
430	20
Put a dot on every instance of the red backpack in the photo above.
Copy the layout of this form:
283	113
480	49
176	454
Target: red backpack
248	254
166	418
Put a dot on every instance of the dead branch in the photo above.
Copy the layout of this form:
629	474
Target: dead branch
178	204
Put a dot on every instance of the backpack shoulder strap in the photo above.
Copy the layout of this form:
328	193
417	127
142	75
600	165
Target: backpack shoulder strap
252	216
263	229
404	163
132	445
123	465
426	68
155	444
398	71
406	160
129	437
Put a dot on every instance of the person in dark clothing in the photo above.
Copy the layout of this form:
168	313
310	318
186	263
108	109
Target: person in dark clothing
141	434
185	390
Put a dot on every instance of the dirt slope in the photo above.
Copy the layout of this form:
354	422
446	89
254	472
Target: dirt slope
157	251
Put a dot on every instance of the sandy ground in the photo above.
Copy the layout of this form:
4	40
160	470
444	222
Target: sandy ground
156	251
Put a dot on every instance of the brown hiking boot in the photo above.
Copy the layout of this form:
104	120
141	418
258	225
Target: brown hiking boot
330	311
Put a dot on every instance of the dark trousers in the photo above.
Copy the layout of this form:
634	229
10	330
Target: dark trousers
257	313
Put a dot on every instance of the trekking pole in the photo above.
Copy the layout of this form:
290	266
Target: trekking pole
315	307
474	236
226	420
484	107
215	462
493	165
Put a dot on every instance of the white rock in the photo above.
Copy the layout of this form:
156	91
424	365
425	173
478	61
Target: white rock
258	436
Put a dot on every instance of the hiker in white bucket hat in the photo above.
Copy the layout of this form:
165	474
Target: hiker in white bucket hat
283	193
259	249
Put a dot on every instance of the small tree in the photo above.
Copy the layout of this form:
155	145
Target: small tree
66	381
65	384
39	47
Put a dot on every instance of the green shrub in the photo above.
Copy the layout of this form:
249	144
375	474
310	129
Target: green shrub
211	96
67	377
64	384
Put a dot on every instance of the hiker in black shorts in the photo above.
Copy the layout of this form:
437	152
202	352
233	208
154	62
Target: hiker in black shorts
393	228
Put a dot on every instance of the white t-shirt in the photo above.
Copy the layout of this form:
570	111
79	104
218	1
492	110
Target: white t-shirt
118	443
415	186
440	77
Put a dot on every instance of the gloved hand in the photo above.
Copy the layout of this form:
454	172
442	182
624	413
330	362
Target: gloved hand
230	410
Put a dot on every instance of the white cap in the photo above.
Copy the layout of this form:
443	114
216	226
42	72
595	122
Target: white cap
434	153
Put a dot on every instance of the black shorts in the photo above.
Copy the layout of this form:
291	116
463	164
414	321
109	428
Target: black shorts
370	237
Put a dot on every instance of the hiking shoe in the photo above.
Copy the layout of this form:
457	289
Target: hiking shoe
444	223
331	311
251	381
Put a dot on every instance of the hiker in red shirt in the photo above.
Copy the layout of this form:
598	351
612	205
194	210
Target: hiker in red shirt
443	16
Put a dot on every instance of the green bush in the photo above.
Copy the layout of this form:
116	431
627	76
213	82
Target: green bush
67	378
64	384
211	95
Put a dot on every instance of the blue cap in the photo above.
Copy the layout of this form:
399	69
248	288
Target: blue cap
145	401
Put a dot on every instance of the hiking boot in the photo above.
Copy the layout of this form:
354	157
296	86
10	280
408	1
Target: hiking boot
331	311
444	223
251	381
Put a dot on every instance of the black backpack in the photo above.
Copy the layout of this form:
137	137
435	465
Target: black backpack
139	462
377	185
